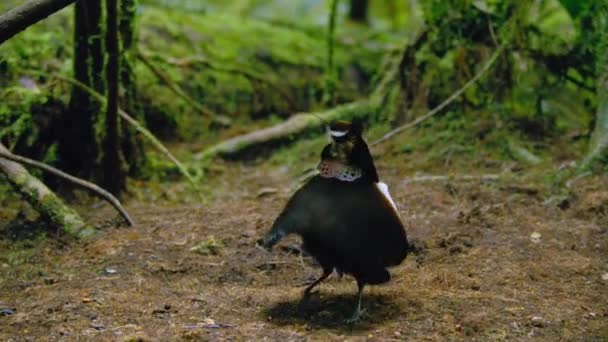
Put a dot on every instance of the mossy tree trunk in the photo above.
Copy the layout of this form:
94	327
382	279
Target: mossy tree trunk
114	177
132	143
597	156
358	10
79	148
92	144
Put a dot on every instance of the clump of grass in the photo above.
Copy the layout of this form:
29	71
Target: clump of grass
211	246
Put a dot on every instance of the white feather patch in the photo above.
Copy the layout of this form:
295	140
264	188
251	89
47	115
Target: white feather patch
337	134
384	190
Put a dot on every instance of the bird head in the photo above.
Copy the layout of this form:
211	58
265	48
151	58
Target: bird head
347	156
344	136
342	130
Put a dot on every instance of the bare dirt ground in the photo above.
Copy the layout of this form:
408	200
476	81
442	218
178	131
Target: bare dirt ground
496	264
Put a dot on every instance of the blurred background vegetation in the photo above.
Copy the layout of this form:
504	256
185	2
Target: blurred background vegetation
258	62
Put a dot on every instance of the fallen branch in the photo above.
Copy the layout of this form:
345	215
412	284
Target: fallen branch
125	116
6	154
296	124
303	122
51	208
22	17
442	178
445	103
177	90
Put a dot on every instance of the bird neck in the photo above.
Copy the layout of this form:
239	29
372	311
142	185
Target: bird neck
339	170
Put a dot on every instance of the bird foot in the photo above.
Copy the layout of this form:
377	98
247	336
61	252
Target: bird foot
305	301
356	317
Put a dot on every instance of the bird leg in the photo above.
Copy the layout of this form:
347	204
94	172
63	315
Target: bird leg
326	273
357	314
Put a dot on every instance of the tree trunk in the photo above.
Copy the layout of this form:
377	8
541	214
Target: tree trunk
51	208
597	157
20	18
78	143
598	151
113	178
330	74
358	10
132	144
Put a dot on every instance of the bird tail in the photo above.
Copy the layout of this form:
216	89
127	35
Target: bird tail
271	239
276	233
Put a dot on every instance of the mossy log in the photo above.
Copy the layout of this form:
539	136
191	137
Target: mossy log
295	125
20	18
48	204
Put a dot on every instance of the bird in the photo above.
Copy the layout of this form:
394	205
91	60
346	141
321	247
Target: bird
345	216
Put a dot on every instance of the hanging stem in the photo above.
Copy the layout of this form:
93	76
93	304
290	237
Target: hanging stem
125	116
445	103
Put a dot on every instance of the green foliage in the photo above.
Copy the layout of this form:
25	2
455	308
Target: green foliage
211	246
16	117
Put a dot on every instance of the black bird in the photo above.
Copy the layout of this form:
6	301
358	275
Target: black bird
346	218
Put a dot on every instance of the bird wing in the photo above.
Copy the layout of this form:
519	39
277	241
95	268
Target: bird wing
359	224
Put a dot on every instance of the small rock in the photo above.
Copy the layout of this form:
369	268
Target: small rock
249	233
605	276
7	311
535	237
97	325
397	334
110	270
456	249
538	322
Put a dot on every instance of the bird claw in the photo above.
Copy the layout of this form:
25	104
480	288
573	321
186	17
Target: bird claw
356	317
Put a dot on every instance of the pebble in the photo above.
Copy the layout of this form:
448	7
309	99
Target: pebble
7	311
538	322
605	276
110	270
535	237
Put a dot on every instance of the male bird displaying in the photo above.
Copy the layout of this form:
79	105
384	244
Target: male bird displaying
346	218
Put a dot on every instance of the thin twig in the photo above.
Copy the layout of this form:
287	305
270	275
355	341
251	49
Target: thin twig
125	116
177	90
440	178
80	182
492	33
248	74
445	103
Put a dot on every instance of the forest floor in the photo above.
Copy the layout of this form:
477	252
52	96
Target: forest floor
498	263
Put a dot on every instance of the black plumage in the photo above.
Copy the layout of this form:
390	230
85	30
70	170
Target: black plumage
347	226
